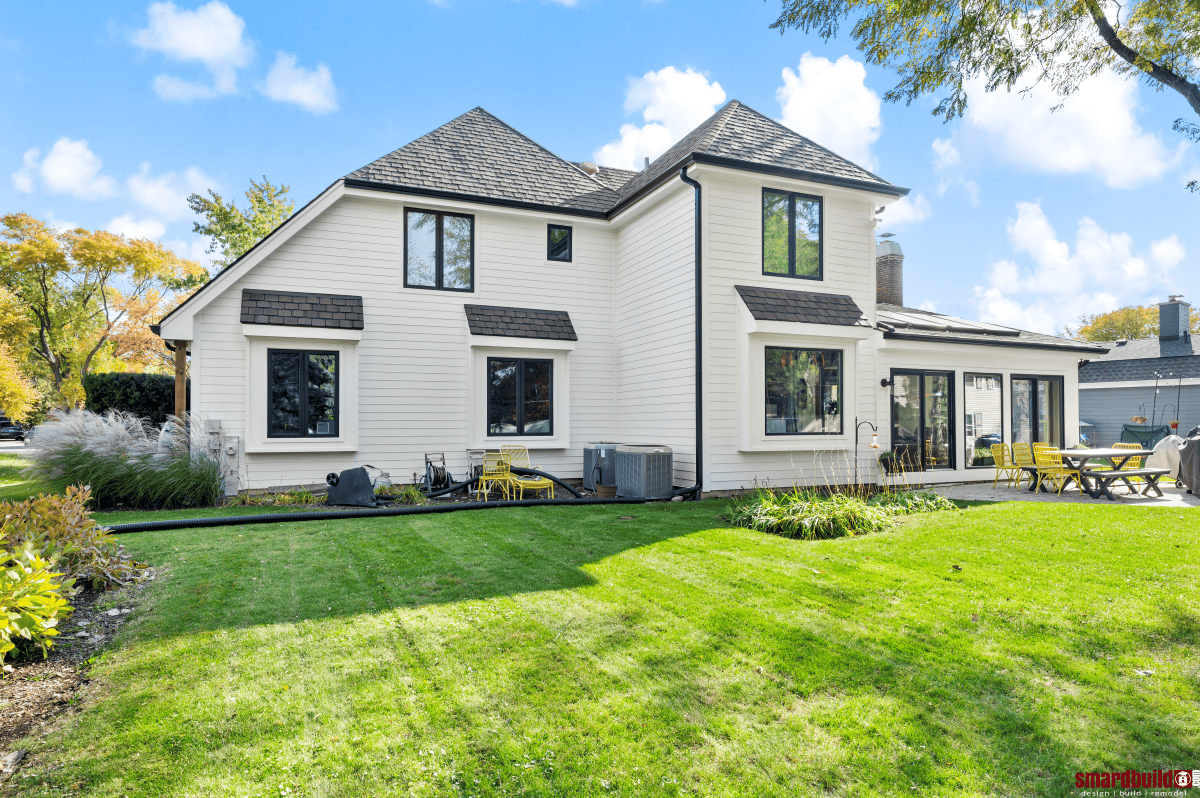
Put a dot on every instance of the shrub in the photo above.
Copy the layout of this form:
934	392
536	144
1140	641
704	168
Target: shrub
61	529
31	601
907	502
401	494
125	460
983	457
149	396
806	514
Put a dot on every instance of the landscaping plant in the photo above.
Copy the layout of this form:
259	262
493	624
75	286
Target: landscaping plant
126	461
280	499
60	528
807	514
905	502
31	600
401	494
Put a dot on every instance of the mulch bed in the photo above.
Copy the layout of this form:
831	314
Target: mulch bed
38	690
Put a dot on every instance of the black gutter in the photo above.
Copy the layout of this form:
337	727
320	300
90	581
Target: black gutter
1008	342
455	195
695	490
799	174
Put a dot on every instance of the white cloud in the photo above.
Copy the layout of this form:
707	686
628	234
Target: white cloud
829	102
948	165
61	225
312	90
928	304
166	194
672	104
192	250
69	168
1095	132
906	210
1103	273
211	35
136	228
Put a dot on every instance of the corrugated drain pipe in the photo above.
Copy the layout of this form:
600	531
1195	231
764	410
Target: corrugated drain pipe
694	490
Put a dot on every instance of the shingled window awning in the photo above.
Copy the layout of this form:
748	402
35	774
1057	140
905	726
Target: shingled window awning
554	325
805	307
290	309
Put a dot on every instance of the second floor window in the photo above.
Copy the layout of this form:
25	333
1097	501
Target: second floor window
791	234
558	243
439	250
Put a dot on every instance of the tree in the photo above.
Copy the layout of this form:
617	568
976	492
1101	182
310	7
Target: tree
134	345
1135	321
17	393
233	231
75	287
938	45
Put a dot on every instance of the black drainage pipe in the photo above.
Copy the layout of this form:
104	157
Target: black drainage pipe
328	515
457	486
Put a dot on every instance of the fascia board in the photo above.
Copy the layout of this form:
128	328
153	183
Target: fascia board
466	206
311	333
731	174
842	331
180	327
510	342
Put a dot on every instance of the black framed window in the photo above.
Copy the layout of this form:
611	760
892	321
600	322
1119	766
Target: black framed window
1037	410
302	394
804	391
558	243
983	417
923	419
439	250
520	396
792	235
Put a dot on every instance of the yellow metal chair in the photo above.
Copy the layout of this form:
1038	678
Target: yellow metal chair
1005	467
1050	467
518	457
1022	457
1132	463
496	473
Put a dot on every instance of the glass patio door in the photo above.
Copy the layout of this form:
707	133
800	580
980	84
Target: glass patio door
1037	410
922	413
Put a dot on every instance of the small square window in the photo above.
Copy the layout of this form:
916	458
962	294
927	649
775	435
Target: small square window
558	243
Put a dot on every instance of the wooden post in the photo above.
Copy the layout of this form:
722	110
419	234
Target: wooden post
180	378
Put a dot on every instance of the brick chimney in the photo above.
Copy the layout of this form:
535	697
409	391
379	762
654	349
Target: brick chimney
1174	319
889	272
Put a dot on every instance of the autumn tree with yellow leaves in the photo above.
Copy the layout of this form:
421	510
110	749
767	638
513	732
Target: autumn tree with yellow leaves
68	297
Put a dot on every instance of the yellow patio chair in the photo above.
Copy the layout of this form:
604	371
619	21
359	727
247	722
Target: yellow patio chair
1005	467
1050	467
496	473
1022	458
518	457
1132	463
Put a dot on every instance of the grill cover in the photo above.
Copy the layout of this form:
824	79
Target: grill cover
1189	461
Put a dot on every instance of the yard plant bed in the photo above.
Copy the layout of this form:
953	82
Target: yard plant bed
645	650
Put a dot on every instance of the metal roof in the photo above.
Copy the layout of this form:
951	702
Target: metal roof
951	330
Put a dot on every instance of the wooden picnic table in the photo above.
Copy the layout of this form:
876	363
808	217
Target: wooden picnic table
1102	476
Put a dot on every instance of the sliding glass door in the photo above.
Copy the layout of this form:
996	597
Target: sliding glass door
983	417
1037	410
922	413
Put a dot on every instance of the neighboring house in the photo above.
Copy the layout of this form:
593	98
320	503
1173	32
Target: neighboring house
1117	386
472	289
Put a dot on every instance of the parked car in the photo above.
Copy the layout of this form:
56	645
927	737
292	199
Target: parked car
987	441
11	431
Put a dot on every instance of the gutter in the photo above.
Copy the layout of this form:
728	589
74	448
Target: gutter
1008	342
695	489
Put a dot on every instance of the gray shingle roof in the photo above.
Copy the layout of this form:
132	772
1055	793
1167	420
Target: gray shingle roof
290	309
520	322
480	156
477	154
1024	339
739	133
1139	358
807	307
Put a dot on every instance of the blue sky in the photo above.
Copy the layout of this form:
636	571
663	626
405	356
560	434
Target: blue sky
115	111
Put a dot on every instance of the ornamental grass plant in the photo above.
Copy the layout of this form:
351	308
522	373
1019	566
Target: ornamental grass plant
125	460
807	514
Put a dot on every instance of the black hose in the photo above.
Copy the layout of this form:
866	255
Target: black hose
384	512
531	472
453	488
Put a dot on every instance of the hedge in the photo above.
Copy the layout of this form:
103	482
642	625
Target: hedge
149	396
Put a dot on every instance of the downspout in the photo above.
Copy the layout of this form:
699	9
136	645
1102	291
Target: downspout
695	490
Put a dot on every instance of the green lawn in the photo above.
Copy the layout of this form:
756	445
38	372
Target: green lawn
646	650
13	484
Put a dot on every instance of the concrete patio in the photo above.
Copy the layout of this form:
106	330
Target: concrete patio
983	491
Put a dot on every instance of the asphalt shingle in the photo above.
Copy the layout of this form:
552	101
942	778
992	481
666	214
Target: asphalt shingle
1140	358
520	322
807	307
291	309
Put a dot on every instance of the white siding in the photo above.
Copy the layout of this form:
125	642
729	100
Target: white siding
732	224
654	329
413	356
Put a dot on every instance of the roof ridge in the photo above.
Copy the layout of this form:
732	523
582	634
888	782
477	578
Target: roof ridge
725	113
809	141
544	149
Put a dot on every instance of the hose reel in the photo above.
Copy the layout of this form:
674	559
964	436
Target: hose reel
437	476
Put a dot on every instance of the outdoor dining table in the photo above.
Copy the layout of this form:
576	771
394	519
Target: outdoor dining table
1078	460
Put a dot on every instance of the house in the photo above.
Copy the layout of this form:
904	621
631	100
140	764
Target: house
473	288
1157	379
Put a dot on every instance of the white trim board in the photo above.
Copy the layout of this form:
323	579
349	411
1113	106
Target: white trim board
1165	382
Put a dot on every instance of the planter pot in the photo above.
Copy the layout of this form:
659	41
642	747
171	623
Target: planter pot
606	491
